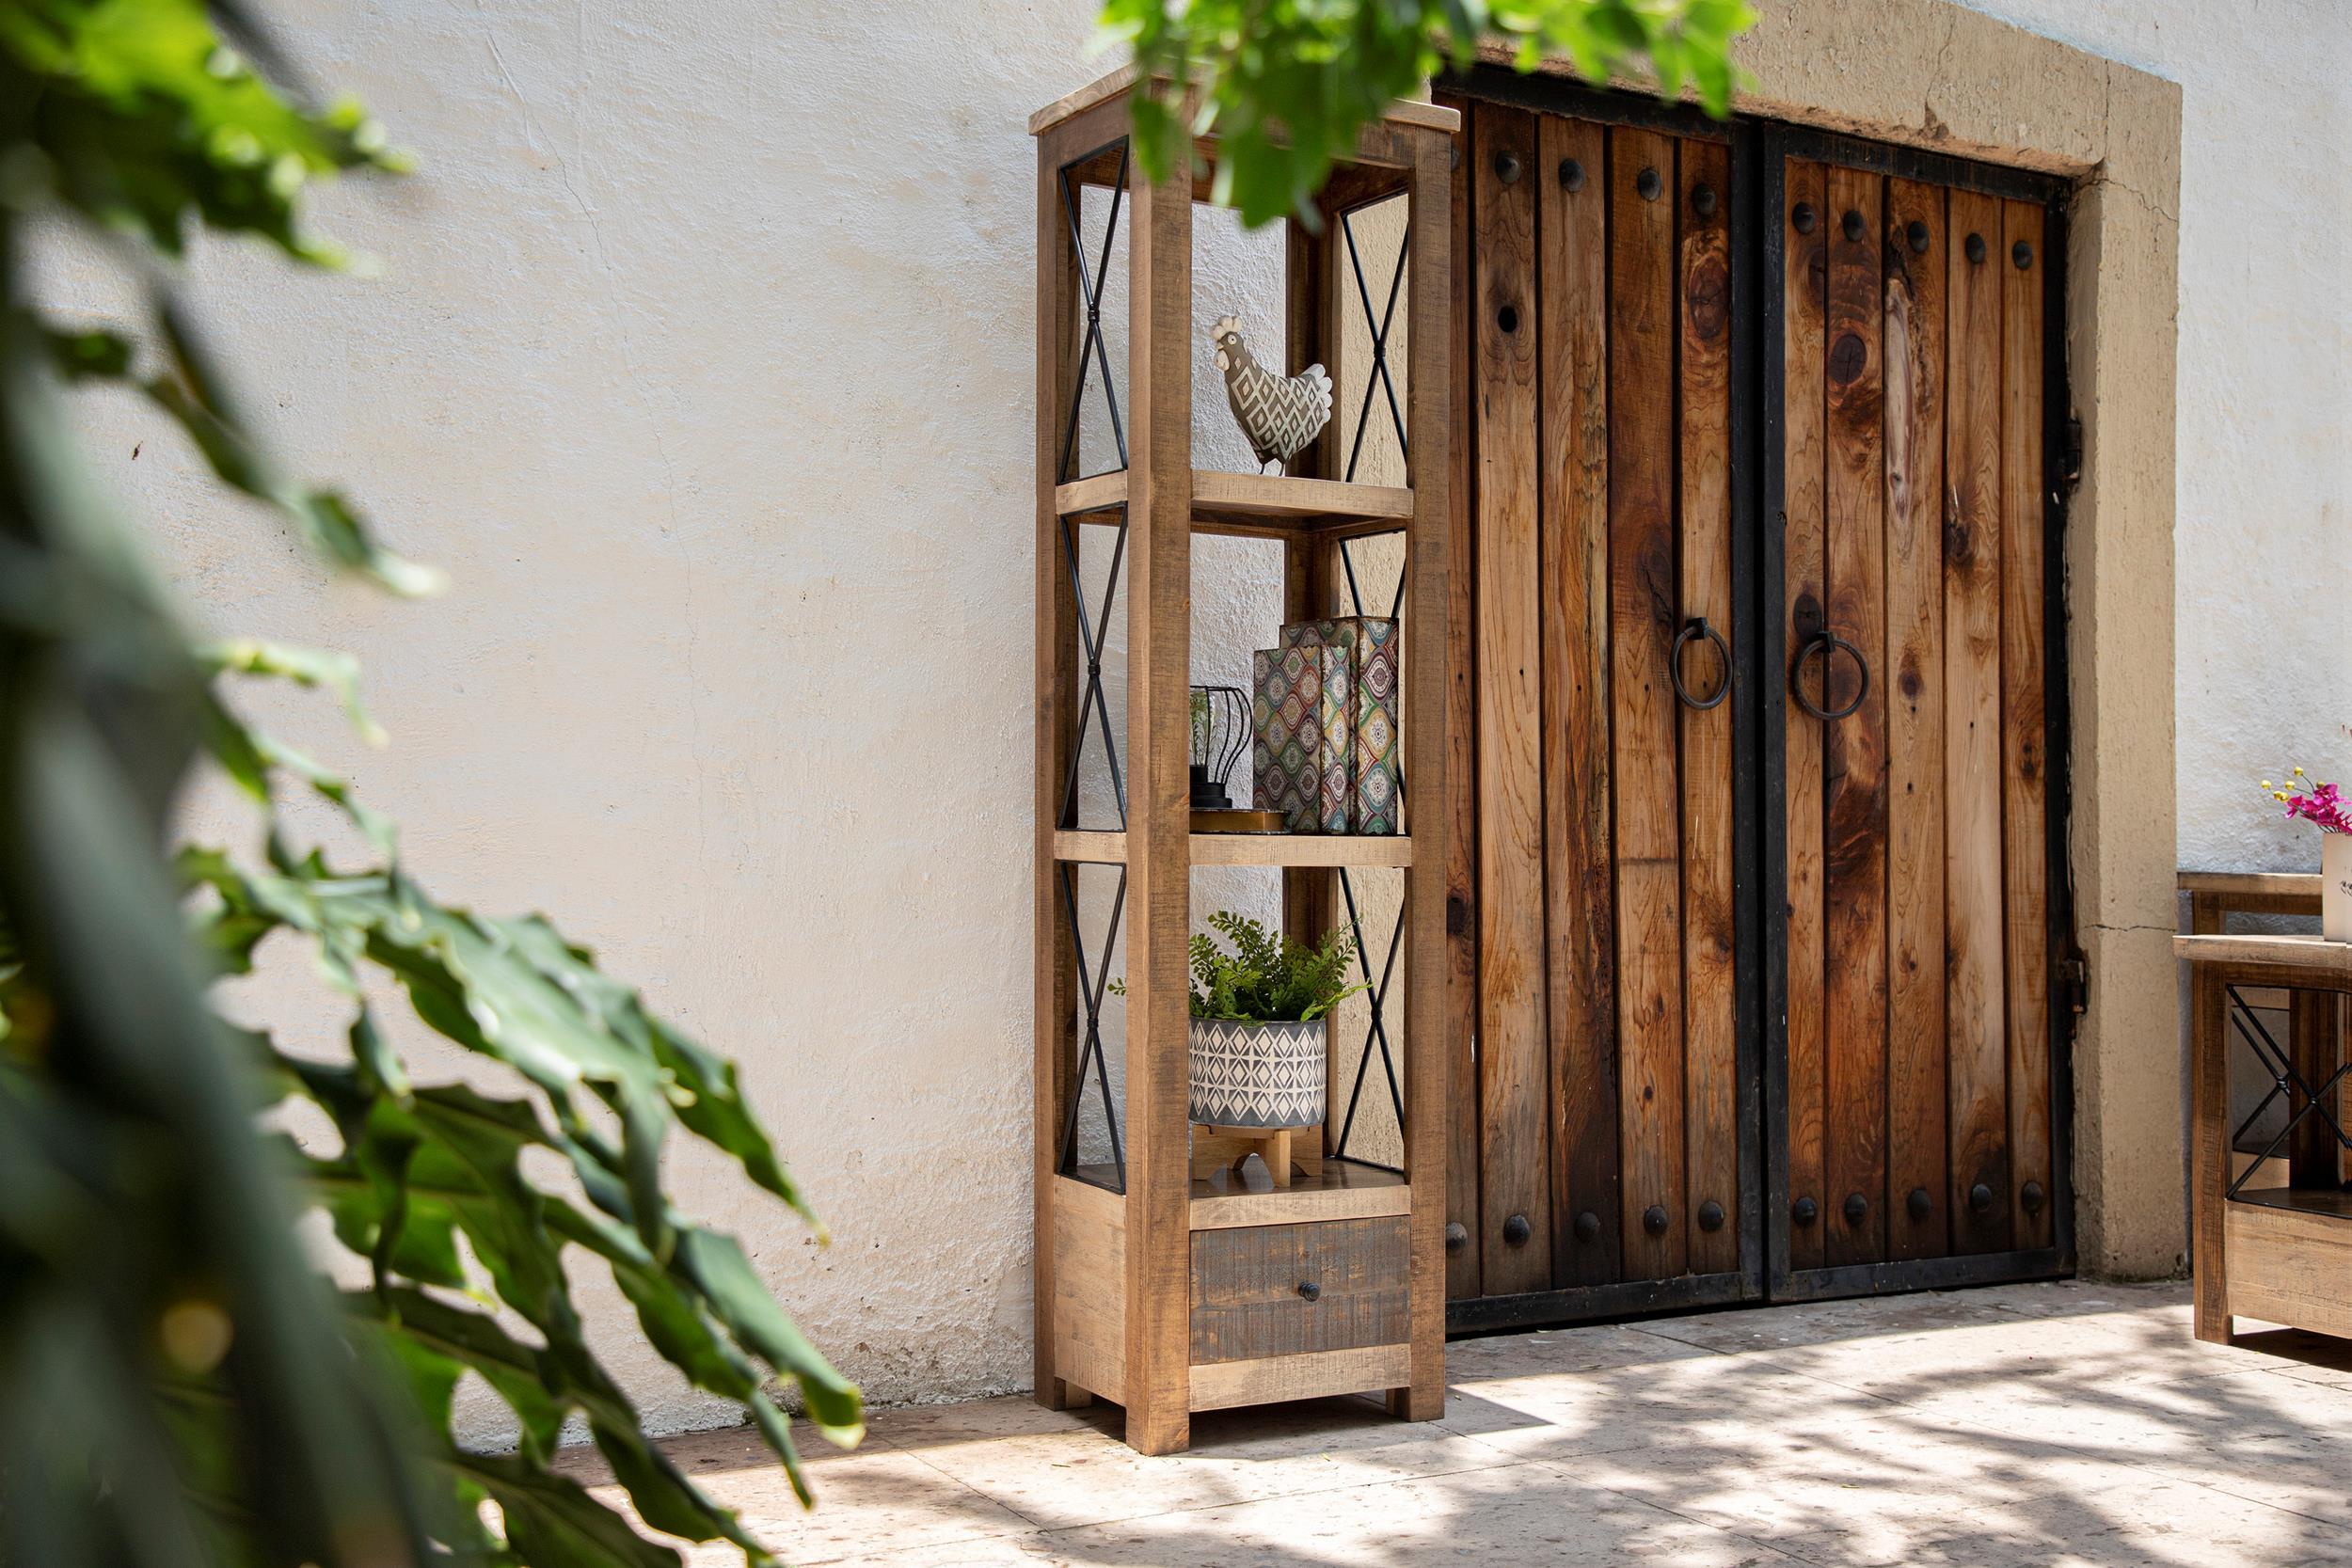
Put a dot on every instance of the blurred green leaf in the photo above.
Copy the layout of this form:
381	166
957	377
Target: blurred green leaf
1286	86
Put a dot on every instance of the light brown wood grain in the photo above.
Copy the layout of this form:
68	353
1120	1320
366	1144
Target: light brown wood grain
1460	798
1251	1285
2286	1267
1916	1084
1643	590
2209	1135
1513	1051
1711	1052
1803	311
2025	814
1339	1190
1424	696
1086	1234
1054	1001
1315	1375
1115	85
2236	888
1579	848
2297	961
1976	984
1159	917
1854	760
1106	847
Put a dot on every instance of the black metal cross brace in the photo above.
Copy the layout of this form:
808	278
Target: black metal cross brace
2284	1077
1376	992
1090	288
1380	375
1093	632
1092	984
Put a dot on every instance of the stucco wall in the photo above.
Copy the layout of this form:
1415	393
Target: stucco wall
702	361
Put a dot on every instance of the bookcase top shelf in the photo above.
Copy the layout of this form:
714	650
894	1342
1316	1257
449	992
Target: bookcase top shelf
1401	111
1256	504
1304	849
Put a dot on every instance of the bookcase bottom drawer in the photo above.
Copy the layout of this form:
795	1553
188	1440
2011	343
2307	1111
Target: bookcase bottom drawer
1269	1291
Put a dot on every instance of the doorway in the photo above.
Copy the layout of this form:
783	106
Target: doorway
1766	887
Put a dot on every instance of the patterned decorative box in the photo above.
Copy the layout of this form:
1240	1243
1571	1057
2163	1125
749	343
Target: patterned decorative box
1360	785
1286	741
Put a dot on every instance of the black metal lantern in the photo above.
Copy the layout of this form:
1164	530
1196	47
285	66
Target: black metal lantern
1220	733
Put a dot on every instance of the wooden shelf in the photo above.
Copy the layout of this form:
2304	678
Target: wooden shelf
1342	1190
1110	848
2335	1202
1258	505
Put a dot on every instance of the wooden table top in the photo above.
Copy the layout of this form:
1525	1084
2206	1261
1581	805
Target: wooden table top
2311	954
2302	884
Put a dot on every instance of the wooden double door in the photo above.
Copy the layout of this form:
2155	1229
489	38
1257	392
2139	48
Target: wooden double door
1758	878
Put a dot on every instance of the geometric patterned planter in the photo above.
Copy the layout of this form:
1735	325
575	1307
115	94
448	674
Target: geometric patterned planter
1257	1074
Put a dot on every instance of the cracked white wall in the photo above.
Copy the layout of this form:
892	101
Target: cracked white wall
702	361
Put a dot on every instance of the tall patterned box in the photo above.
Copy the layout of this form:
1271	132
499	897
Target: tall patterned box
1286	734
1360	721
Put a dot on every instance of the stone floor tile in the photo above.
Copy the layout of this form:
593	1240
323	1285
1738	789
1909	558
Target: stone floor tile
875	1499
1517	1517
1700	1401
915	1426
2049	1424
1235	1456
1563	1350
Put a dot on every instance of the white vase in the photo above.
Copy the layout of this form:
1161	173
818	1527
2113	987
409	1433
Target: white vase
2335	886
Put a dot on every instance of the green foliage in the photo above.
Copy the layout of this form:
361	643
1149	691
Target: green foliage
1285	84
1265	978
177	1383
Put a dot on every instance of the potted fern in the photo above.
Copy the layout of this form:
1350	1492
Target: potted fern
1258	1015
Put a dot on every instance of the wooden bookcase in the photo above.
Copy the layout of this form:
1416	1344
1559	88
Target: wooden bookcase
1154	1290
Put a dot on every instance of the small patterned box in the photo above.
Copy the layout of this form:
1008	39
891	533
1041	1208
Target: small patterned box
1286	725
1359	791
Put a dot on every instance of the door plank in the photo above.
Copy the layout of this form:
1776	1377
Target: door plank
2024	787
1514	1053
1461	743
1854	750
1918	1197
1643	590
1710	1053
1575	561
1804	307
1975	975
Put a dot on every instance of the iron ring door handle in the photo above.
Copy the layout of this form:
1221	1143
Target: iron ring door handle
1824	643
1697	627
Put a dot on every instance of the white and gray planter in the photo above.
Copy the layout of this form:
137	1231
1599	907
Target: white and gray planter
1258	1075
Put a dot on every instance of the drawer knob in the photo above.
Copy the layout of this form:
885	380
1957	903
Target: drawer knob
1308	1290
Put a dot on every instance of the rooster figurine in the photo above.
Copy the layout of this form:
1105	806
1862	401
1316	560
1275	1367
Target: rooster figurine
1280	414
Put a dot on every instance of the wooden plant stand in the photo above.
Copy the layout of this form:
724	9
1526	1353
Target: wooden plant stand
1167	1279
1227	1148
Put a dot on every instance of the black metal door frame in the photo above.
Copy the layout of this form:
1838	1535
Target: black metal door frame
1759	150
1777	144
